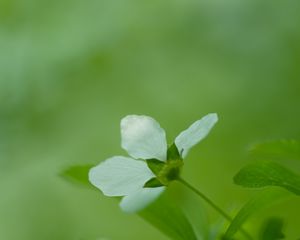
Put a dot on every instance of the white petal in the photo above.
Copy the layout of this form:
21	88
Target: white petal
141	199
195	133
120	176
142	137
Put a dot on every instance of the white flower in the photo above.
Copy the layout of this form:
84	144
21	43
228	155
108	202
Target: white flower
152	162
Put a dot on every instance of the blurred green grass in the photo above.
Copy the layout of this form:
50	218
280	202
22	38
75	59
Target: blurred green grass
70	70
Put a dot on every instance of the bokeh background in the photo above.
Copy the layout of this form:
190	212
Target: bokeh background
70	70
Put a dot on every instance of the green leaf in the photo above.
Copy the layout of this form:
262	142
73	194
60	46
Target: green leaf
77	174
198	216
164	215
260	201
152	183
173	153
280	149
265	173
155	165
272	229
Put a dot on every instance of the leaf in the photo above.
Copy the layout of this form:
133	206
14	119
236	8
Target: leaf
265	173
279	149
173	153
155	165
272	229
169	219
260	201
198	216
152	183
78	174
163	214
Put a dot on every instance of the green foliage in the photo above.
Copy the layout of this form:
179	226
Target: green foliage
78	174
272	229
279	149
153	182
163	214
155	165
173	153
169	219
260	201
70	69
266	173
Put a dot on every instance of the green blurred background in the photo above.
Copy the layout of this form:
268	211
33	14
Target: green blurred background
70	70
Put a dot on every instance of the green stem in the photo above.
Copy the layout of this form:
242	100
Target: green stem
212	204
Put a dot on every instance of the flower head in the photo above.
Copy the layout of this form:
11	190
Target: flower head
141	178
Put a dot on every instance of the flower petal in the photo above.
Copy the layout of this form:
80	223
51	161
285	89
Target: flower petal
140	199
142	137
195	133
120	176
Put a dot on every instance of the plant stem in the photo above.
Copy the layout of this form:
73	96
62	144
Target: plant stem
213	205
